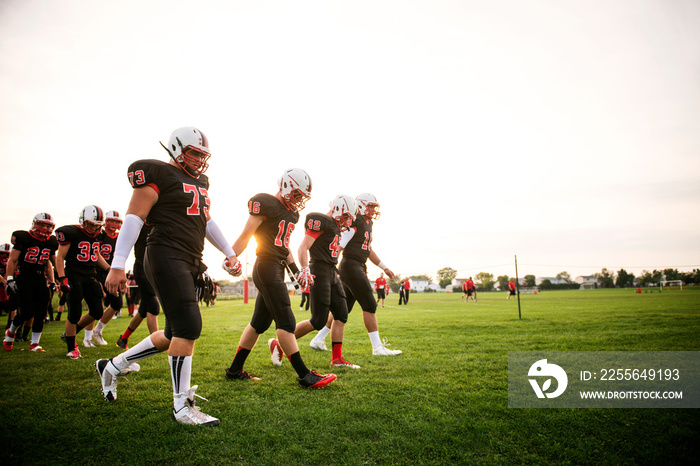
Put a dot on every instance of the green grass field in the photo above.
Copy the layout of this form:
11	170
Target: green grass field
444	401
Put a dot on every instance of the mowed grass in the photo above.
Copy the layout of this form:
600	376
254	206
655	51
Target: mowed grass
443	401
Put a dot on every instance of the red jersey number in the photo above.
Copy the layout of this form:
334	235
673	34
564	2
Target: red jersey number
87	251
194	208
282	239
35	255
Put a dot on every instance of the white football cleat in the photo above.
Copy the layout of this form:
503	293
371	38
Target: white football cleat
382	350
318	345
190	414
88	343
97	336
109	380
276	353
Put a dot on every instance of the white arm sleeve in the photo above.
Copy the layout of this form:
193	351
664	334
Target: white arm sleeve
346	236
216	237
128	235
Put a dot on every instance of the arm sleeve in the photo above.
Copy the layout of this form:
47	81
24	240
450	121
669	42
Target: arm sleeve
216	237
128	235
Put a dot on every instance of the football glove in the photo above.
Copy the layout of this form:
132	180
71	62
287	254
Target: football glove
64	283
52	286
304	277
236	269
11	287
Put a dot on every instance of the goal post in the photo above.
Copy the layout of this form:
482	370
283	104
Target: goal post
673	284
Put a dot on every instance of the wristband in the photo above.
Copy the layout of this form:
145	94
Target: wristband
10	277
382	265
293	267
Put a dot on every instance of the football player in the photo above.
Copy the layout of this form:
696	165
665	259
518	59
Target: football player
4	256
272	220
148	308
321	242
29	266
77	260
114	303
357	248
174	197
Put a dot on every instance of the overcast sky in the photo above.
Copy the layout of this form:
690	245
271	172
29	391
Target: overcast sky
566	133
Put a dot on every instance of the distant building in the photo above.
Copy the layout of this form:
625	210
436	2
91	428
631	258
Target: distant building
419	284
553	280
587	282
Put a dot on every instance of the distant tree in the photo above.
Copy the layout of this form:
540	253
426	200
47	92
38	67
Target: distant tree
546	284
485	281
395	284
624	279
564	276
646	277
530	280
690	277
445	276
607	279
424	277
672	274
503	282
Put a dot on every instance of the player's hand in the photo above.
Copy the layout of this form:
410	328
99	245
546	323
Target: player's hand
234	268
64	284
11	287
116	281
389	274
304	277
52	286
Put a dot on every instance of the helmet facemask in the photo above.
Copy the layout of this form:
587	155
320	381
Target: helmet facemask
42	226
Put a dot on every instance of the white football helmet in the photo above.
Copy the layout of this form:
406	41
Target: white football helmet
42	225
91	220
189	148
113	221
295	188
343	211
367	205
5	248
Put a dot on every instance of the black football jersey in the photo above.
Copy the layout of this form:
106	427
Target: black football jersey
84	249
107	246
359	246
272	236
178	219
325	231
140	246
34	252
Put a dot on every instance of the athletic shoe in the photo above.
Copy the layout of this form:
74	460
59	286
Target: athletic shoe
109	380
341	362
36	348
9	340
97	336
63	337
382	350
190	414
75	354
122	343
315	380
240	375
88	343
318	345
20	339
276	353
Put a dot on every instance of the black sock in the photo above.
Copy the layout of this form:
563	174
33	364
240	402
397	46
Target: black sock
70	343
239	360
298	365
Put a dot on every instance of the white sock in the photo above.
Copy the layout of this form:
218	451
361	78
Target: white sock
88	334
180	375
100	325
142	350
35	338
322	334
374	338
